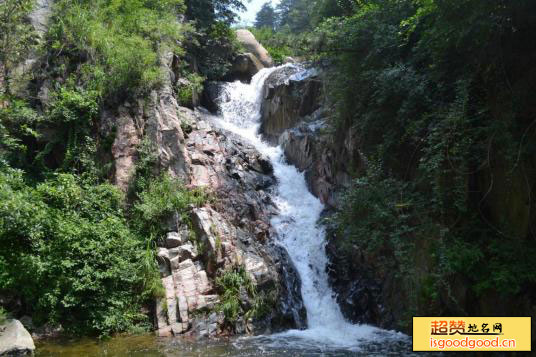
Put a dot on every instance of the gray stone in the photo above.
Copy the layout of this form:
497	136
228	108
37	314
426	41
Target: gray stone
187	251
289	96
256	268
245	66
175	263
164	332
174	239
163	262
179	328
248	40
15	340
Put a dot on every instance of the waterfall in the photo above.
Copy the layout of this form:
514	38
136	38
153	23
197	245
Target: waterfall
297	226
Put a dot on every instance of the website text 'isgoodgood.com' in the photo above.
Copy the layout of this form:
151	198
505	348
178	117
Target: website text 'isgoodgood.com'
472	343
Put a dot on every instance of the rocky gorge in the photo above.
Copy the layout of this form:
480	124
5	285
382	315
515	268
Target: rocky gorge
165	175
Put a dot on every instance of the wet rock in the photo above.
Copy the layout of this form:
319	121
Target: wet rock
291	311
234	229
213	95
245	66
15	340
361	294
289	95
294	116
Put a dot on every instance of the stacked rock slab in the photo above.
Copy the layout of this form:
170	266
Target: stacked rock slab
187	288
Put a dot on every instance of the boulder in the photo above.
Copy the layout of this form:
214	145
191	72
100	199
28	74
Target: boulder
176	239
245	66
15	340
250	43
290	94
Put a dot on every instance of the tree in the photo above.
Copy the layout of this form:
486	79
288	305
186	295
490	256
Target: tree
16	35
296	14
206	12
266	17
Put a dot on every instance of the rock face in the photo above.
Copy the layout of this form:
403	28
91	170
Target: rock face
245	66
40	15
232	231
15	340
294	115
156	121
250	43
288	98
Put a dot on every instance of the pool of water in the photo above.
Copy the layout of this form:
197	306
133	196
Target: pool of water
151	346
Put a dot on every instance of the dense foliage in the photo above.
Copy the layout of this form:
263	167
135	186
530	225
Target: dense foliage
113	46
67	250
266	17
74	251
439	93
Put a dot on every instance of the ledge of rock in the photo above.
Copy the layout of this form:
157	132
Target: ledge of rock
15	340
290	93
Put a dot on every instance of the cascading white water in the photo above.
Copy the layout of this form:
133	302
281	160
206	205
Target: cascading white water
296	226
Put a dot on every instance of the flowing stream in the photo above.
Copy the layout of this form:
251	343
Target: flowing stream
328	333
297	228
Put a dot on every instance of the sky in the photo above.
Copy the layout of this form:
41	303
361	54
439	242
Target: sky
253	7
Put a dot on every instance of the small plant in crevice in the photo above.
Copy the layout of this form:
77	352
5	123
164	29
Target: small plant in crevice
152	283
3	315
162	197
188	88
231	285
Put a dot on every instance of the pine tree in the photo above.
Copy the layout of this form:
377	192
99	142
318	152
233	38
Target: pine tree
266	17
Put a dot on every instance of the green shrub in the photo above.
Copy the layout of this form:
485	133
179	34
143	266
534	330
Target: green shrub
215	47
119	39
72	117
18	122
3	315
229	286
67	251
186	92
420	83
160	199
